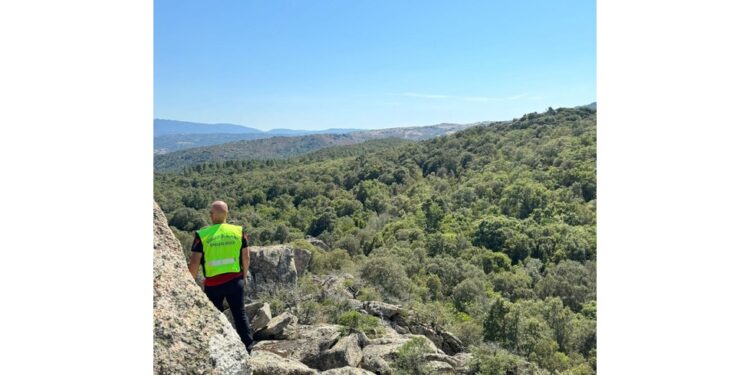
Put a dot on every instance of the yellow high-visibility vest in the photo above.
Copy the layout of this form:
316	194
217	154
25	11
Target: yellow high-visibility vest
221	248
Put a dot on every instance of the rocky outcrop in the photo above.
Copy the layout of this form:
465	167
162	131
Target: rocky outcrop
277	266
400	321
322	347
190	335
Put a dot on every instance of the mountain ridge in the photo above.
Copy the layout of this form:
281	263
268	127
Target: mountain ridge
278	147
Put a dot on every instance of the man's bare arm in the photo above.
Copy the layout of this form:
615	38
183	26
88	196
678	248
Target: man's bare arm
195	262
245	261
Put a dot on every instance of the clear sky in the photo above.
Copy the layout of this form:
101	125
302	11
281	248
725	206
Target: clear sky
370	64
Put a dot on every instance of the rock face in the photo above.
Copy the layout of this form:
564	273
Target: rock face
190	335
277	266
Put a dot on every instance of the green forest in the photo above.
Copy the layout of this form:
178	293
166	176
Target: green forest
489	232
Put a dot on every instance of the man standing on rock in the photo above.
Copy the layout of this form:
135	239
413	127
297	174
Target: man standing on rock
219	249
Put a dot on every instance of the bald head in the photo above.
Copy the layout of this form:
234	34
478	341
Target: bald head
219	212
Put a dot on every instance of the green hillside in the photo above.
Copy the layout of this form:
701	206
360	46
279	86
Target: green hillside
257	146
489	231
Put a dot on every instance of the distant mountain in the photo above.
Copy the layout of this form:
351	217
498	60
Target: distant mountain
164	127
295	132
419	133
173	135
589	106
282	147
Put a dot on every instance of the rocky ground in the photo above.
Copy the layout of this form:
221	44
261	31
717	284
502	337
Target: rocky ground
192	337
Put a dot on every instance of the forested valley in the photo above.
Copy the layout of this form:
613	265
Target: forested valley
489	231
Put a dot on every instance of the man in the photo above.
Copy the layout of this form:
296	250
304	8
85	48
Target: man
223	252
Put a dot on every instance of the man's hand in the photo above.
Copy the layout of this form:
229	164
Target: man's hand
245	261
195	262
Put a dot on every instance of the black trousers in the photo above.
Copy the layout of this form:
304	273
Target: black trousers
233	291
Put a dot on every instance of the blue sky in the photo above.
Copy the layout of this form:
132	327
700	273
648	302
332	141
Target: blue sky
370	64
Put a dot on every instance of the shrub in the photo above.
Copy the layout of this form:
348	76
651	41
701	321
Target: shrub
410	356
388	275
492	360
323	262
353	321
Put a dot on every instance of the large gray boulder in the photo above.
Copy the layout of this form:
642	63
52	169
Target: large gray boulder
381	309
268	363
335	286
190	335
258	314
275	329
346	352
275	267
379	355
438	367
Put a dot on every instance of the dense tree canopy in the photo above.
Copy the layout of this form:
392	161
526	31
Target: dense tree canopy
490	231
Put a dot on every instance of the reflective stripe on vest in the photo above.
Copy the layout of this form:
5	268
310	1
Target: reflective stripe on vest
221	249
221	262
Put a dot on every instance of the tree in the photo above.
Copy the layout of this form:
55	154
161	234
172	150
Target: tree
569	280
522	197
187	219
495	325
324	222
469	292
434	213
388	275
281	234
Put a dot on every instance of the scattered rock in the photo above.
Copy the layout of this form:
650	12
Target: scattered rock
317	243
463	362
347	371
381	309
346	352
334	286
190	335
297	350
304	343
381	352
275	328
437	367
267	363
258	313
451	344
